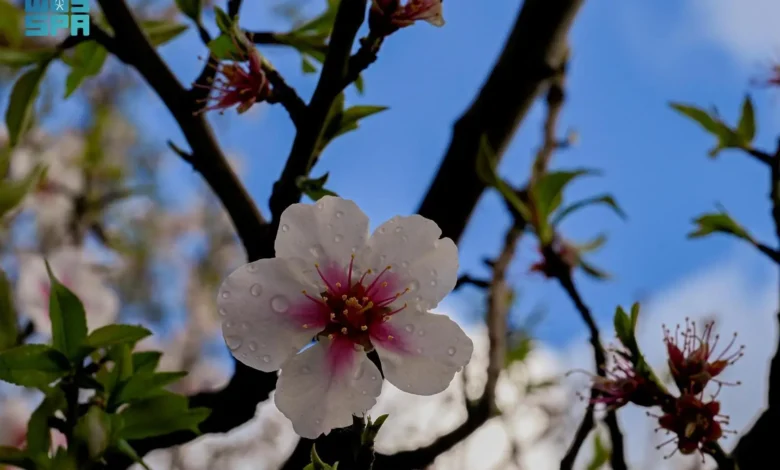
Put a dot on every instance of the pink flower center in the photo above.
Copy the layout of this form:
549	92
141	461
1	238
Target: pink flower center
354	310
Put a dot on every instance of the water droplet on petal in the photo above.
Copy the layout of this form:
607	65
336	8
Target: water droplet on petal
233	342
418	299
338	238
251	267
339	214
382	259
316	251
373	377
225	294
321	205
285	228
253	346
404	238
359	372
414	285
228	324
436	244
280	304
420	332
244	326
364	392
399	229
318	421
266	358
330	226
382	230
460	369
409	328
420	350
451	351
405	264
222	312
256	290
434	273
433	283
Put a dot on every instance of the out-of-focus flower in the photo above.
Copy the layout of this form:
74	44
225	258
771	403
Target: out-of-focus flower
14	415
388	16
693	422
239	85
74	270
352	294
692	359
624	385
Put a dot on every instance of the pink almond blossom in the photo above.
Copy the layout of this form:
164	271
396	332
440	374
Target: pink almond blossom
388	16
73	269
351	294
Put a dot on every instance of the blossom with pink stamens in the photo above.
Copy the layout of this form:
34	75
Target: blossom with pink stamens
72	269
351	293
388	16
692	360
238	85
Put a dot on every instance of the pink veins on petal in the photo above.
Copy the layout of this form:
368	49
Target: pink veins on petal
352	310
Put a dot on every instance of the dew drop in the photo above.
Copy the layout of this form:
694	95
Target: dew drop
418	299
399	229
316	251
404	238
420	350
414	285
436	244
285	228
244	326
321	206
280	304
251	267
228	324
420	332
409	328
364	392
233	342
339	214
451	351
382	230
338	238
266	358
318	421
330	226
434	273
433	283
373	377
256	290
382	259
225	294
405	264
223	312
460	369
253	346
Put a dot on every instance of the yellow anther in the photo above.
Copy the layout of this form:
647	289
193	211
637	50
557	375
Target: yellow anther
316	265
344	330
369	271
338	284
344	297
324	299
303	292
367	307
305	325
353	255
365	299
406	290
390	337
385	318
389	267
332	316
330	336
364	327
384	284
345	312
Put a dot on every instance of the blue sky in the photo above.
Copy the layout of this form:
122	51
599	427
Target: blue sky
628	63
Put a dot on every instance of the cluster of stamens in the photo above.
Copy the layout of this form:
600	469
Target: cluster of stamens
354	309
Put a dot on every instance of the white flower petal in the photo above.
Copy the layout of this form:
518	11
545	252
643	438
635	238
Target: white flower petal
331	230
263	312
426	264
425	352
319	393
32	293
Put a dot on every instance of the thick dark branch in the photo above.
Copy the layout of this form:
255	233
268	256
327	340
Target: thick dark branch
533	53
287	96
132	47
349	18
233	7
567	463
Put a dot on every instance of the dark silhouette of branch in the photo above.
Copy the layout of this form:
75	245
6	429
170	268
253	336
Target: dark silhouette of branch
758	445
533	54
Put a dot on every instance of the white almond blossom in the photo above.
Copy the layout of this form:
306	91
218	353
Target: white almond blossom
351	293
72	268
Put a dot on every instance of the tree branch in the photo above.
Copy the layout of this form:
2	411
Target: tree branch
532	54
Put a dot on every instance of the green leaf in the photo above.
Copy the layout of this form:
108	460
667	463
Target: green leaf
593	271
747	121
368	436
314	188
144	385
360	85
225	48
162	31
111	335
604	199
224	22
623	328
12	193
351	117
601	454
519	353
316	461
191	8
634	316
125	448
727	137
8	318
32	365
486	171
719	222
68	319
307	66
93	431
21	104
87	61
146	361
592	245
160	415
38	433
21	58
16	458
11	23
547	193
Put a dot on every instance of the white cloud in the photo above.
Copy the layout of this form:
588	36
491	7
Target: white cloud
722	292
747	28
